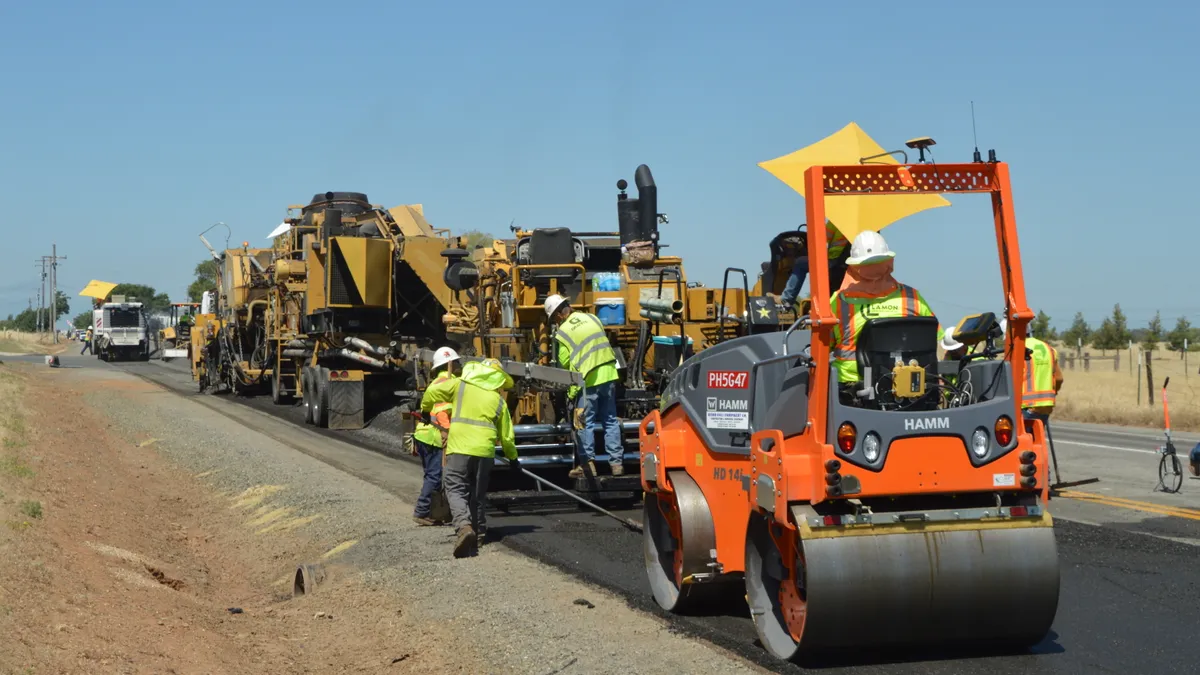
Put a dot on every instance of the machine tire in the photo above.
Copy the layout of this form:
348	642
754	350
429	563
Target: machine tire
321	387
763	563
307	394
669	557
276	386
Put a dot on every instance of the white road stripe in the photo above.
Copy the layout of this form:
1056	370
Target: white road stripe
1105	447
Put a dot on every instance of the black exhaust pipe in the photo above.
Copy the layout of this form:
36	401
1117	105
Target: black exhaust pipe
637	219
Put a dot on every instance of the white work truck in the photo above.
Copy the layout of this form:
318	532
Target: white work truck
122	331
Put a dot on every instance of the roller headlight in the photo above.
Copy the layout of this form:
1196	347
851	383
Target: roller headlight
979	443
871	447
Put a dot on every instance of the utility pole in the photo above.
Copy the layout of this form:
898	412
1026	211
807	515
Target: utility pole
41	313
54	258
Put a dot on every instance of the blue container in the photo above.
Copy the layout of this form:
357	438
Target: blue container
611	311
606	282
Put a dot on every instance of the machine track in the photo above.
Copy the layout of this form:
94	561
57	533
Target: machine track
1129	601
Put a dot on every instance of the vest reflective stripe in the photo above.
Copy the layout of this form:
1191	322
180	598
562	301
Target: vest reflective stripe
1039	376
835	243
586	340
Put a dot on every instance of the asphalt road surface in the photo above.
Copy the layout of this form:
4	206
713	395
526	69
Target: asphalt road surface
1130	556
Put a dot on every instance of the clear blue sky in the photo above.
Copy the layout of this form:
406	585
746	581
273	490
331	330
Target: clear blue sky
127	128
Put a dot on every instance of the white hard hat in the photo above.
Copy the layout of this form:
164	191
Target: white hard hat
1003	326
869	247
91	328
554	303
443	356
948	341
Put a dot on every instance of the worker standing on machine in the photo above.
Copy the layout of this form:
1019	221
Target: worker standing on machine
429	439
87	342
583	347
871	292
479	422
836	244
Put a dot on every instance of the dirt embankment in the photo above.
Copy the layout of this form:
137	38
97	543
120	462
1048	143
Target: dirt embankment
116	562
17	342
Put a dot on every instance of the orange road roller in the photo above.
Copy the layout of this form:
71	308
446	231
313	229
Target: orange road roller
904	509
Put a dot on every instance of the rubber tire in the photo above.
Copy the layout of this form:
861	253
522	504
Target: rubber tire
322	386
1172	471
307	394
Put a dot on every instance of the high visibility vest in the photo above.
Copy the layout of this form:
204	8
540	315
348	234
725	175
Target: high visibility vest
1039	375
583	334
475	422
835	241
853	313
427	433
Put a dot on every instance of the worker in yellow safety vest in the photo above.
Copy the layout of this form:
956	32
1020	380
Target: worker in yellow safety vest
871	292
1043	380
480	420
87	342
836	245
583	347
429	438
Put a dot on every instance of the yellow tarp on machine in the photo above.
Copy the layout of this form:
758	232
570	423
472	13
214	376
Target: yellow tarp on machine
97	289
851	214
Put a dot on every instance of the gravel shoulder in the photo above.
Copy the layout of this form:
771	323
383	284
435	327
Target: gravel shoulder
228	508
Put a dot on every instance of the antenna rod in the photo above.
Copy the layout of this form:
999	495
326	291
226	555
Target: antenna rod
976	157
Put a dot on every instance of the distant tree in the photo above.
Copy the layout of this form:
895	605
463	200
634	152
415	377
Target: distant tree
154	301
82	319
1079	330
64	306
1183	331
1041	327
1114	332
1154	333
25	321
206	279
476	238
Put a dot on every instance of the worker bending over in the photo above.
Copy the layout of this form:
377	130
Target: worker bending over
836	245
429	439
583	348
480	420
871	292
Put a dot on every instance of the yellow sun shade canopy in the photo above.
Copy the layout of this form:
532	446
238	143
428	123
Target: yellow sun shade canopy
97	289
851	214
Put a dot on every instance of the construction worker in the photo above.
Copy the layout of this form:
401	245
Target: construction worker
871	292
836	244
479	421
429	439
1043	380
87	341
583	347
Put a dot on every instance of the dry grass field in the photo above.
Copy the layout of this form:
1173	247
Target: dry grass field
1107	397
17	342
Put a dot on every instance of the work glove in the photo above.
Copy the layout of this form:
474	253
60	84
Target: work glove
579	422
514	464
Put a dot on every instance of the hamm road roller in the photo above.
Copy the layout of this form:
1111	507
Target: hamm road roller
907	509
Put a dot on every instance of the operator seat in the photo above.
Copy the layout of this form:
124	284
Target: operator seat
551	246
882	341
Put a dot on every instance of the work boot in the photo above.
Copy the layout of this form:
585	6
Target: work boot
617	469
425	521
577	472
464	545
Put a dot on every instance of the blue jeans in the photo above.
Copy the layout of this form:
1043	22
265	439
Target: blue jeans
600	408
431	460
87	346
837	273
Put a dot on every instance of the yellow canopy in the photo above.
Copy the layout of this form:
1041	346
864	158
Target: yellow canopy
411	219
97	289
851	214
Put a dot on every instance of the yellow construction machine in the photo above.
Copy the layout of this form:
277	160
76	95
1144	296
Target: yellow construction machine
352	291
174	339
227	349
653	316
